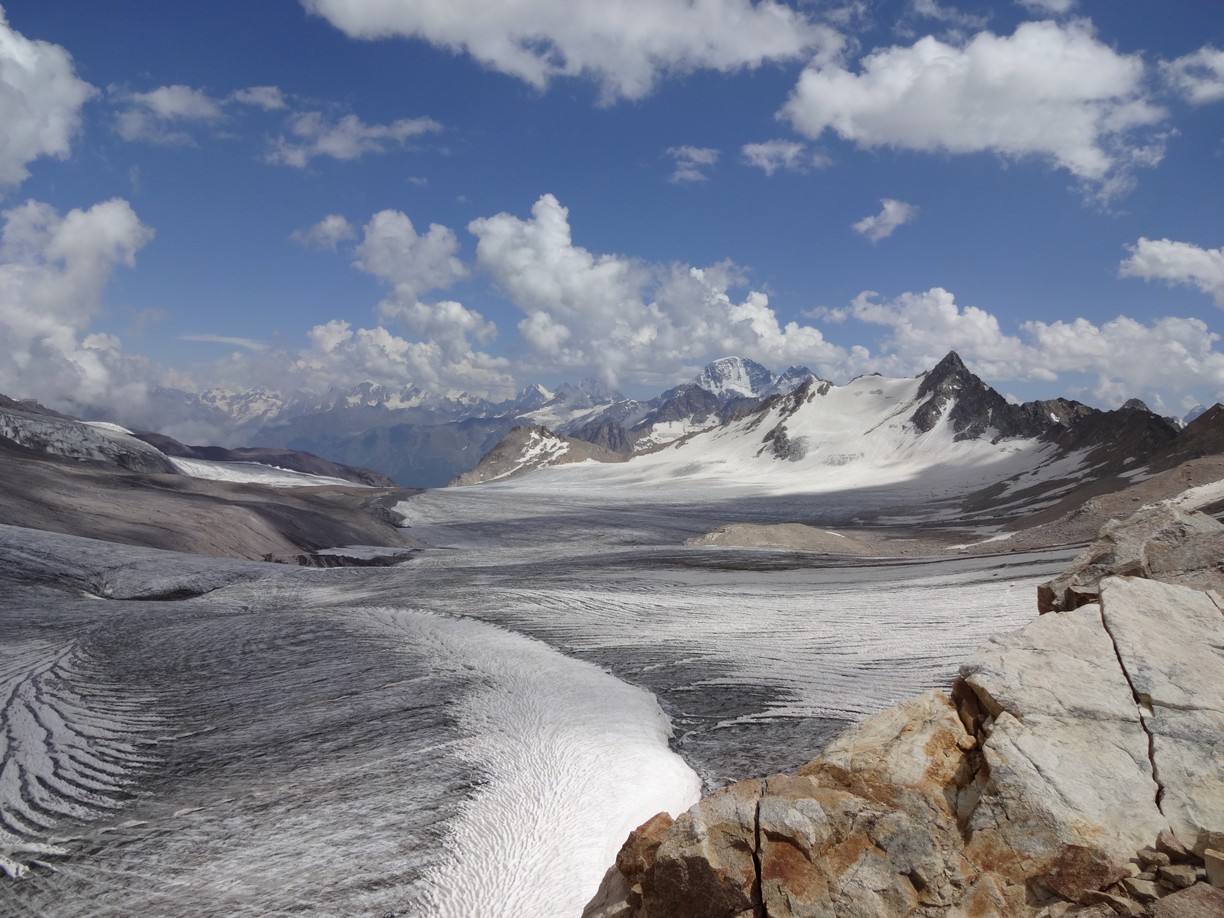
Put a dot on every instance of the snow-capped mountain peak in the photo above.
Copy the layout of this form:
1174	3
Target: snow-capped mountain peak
735	377
532	396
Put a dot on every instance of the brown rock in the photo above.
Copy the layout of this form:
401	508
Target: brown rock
637	854
869	828
1178	876
1208	839
1214	861
1199	901
706	864
1095	911
1171	845
1149	857
1142	890
1119	905
1077	870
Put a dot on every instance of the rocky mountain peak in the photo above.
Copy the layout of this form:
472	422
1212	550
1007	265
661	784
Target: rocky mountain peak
585	392
949	373
532	396
974	407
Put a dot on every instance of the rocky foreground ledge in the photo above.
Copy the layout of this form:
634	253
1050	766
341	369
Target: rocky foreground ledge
1076	768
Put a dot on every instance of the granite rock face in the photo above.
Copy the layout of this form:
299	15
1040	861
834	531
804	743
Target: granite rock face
1076	769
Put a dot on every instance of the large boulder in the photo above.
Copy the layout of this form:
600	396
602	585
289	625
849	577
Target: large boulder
1162	543
1065	751
1170	641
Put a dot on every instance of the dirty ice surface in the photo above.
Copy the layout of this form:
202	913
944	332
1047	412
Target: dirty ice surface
472	732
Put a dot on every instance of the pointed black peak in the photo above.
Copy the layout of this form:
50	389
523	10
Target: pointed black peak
951	364
949	373
1135	404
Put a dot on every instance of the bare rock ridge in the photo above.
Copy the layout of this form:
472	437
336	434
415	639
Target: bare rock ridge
1076	768
532	447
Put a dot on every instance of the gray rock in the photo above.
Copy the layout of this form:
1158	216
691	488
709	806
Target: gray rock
1067	753
1170	640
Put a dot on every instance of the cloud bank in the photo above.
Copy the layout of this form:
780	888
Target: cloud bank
53	270
625	47
623	319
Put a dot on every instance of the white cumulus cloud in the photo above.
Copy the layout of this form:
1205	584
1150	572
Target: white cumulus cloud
1048	7
1198	76
53	270
950	15
1049	90
624	45
413	264
313	134
40	102
1177	263
342	356
269	98
893	214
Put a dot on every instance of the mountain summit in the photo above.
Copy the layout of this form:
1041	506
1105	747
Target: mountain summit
731	377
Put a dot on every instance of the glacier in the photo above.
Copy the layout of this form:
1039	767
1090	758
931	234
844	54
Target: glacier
471	732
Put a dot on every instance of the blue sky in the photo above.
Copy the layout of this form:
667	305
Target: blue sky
469	196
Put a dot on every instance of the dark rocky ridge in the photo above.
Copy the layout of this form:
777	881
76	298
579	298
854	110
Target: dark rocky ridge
1131	431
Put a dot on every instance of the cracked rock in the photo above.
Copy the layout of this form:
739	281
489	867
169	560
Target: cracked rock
1171	641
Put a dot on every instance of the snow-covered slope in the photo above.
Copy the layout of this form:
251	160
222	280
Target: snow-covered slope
824	437
938	435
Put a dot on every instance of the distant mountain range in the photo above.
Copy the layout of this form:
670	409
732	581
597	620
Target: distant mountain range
422	440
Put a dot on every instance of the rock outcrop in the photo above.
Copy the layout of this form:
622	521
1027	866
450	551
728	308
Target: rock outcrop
1076	768
532	447
1161	543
